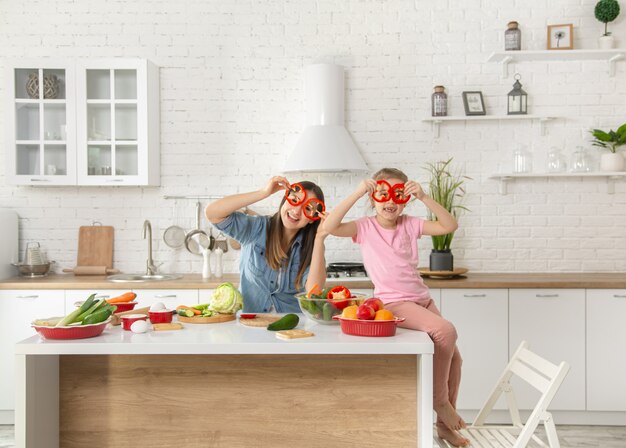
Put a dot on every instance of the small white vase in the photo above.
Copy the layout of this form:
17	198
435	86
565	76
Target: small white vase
612	161
606	42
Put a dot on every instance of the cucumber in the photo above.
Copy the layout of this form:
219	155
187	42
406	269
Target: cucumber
287	322
87	303
185	312
325	292
97	317
327	311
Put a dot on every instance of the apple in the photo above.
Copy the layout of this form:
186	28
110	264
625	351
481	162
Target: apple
375	303
365	312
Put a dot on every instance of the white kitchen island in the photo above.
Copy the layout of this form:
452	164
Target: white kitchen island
225	385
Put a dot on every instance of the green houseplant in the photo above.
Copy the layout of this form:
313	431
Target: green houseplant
606	11
612	140
446	188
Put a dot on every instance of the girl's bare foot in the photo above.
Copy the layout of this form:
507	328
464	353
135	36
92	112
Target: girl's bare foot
448	415
450	436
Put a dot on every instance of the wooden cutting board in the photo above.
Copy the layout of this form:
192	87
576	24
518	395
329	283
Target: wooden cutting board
95	246
207	320
260	321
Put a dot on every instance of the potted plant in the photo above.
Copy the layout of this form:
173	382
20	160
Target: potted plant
612	161
446	188
606	11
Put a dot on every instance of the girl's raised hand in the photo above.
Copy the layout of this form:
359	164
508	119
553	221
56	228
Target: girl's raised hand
367	186
275	184
415	189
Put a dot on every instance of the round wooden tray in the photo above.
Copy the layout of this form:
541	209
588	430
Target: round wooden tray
260	321
456	272
207	320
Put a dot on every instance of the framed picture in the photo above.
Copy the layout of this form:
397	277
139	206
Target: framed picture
473	103
561	37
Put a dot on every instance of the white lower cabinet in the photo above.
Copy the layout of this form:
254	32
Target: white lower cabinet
204	295
73	296
17	310
553	323
435	294
606	350
480	318
171	298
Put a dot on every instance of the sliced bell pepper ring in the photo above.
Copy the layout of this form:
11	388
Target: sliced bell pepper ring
295	194
313	208
314	291
382	193
398	196
339	297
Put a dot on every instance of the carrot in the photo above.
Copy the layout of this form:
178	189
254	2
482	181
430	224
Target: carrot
185	307
126	297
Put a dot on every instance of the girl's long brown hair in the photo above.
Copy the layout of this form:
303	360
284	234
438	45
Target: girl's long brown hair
274	252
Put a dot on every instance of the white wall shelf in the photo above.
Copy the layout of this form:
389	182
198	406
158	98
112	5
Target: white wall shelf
508	57
436	121
611	177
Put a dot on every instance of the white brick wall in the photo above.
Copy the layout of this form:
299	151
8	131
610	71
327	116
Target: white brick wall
232	108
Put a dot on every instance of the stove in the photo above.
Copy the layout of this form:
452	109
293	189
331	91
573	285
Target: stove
354	271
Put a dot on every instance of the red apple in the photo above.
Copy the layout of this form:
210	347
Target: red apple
375	303
365	312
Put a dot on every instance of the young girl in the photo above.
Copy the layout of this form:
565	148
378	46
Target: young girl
389	251
280	254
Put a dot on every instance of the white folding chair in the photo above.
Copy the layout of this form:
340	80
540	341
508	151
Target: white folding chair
543	376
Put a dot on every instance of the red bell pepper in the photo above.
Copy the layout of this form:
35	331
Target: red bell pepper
295	194
313	208
398	196
382	192
339	297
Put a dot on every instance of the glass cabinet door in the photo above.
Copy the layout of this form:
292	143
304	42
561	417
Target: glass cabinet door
111	137
39	149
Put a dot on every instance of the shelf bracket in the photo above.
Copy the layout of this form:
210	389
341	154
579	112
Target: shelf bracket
504	181
612	62
542	122
505	66
610	184
436	130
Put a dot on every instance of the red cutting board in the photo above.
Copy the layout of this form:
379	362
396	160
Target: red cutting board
95	246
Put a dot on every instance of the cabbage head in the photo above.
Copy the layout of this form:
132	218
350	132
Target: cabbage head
226	299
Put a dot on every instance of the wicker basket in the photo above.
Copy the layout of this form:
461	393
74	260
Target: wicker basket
50	86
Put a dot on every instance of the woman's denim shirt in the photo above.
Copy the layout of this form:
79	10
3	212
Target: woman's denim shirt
260	285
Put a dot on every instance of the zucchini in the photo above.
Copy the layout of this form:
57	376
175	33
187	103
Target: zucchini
327	311
87	303
287	322
185	312
97	317
325	292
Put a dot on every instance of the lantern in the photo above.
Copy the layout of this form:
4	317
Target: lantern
517	99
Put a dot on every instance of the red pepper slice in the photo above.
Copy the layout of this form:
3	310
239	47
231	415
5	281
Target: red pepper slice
313	208
382	192
296	194
339	297
398	196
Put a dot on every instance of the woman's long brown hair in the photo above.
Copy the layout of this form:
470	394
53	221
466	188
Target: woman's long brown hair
274	252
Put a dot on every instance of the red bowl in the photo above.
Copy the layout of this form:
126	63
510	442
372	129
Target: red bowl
126	306
128	320
370	328
72	331
160	317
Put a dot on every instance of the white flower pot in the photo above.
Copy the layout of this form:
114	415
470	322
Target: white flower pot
612	162
606	42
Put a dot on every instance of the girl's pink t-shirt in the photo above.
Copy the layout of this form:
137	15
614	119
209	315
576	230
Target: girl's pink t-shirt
390	257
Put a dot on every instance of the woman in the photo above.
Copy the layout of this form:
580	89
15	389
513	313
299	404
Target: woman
282	254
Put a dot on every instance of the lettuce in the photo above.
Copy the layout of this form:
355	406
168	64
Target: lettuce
226	299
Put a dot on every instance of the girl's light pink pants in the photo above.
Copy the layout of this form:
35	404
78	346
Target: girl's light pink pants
447	359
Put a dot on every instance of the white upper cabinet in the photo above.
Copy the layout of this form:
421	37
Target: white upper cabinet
41	117
93	122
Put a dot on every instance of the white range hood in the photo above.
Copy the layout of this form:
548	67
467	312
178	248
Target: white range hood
325	145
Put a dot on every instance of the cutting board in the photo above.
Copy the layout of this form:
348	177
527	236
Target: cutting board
260	321
95	246
207	320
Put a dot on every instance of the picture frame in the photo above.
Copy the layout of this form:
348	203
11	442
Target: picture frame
561	37
473	103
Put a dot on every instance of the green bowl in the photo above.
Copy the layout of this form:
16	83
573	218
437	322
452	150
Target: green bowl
322	311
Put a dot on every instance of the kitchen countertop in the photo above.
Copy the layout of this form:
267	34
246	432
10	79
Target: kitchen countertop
484	280
229	338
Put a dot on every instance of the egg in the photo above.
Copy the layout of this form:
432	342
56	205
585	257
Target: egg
157	306
139	326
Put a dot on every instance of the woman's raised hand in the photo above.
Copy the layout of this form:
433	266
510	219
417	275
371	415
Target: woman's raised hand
322	232
414	188
367	186
275	184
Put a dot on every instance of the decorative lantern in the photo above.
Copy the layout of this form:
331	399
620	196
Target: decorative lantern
517	99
